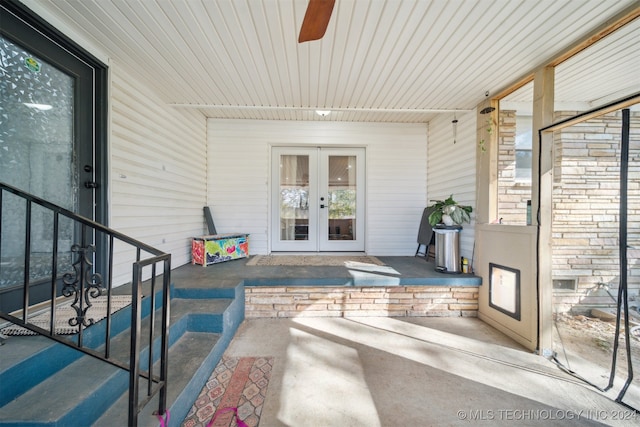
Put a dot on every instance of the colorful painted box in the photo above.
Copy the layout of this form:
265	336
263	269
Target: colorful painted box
207	250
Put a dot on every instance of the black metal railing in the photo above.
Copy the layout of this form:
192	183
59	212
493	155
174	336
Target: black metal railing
84	281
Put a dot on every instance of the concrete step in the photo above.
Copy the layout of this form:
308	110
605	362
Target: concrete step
28	360
195	359
84	389
187	357
67	396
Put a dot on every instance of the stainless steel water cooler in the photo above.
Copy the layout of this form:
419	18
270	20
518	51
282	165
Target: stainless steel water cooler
448	248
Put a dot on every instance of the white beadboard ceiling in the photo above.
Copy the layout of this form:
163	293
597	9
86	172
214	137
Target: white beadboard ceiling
381	61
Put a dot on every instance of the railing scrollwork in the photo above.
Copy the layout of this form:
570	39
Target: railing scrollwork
83	284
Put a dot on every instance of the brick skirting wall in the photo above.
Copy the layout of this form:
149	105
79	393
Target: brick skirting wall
345	301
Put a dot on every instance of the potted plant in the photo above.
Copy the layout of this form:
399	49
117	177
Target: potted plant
449	212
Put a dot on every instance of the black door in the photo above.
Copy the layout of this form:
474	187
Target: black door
51	145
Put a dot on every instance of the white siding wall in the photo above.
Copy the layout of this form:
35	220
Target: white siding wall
239	176
452	167
157	171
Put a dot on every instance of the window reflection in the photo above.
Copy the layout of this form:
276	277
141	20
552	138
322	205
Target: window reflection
294	197
342	197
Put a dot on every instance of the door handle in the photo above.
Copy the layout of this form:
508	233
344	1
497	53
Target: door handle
321	206
91	184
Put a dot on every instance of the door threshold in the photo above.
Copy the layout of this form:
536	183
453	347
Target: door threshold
318	253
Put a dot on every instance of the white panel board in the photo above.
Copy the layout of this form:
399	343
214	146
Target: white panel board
513	247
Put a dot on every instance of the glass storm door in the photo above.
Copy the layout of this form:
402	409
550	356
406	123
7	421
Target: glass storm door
47	149
318	199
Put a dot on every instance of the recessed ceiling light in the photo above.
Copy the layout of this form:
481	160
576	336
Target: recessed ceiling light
323	113
41	107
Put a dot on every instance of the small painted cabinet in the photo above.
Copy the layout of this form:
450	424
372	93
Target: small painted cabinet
215	248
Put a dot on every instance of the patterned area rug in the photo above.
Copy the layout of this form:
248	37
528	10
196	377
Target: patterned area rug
312	260
64	312
237	382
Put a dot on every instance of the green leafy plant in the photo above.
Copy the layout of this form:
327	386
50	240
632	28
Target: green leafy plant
489	128
459	213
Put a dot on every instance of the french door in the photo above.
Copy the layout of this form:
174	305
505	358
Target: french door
318	199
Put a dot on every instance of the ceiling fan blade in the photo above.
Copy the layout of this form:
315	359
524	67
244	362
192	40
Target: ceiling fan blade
316	20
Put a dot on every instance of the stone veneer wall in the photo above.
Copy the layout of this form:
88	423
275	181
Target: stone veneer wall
512	194
585	208
344	301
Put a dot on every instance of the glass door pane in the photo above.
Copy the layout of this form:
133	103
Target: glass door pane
37	156
37	129
341	197
294	199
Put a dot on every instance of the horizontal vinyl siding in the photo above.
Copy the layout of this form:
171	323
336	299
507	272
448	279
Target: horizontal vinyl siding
396	172
239	176
157	172
452	167
237	181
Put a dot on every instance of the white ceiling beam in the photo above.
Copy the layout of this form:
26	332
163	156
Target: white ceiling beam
284	108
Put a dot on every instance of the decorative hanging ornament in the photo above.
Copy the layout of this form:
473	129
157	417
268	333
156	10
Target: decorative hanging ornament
454	123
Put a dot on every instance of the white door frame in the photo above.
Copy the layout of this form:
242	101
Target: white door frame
318	188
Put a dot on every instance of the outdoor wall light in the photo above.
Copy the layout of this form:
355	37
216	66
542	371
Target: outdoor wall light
487	110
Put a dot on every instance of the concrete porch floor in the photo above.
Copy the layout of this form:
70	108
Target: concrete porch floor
412	372
397	270
376	371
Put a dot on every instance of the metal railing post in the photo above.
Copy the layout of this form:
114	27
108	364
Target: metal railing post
134	360
27	261
164	358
